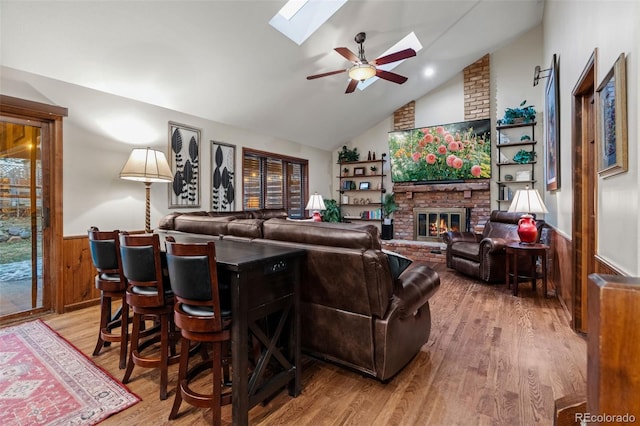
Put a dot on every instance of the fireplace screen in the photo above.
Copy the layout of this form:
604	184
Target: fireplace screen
432	224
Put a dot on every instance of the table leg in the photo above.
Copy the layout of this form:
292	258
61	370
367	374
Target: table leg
544	274
507	269
239	354
515	274
534	277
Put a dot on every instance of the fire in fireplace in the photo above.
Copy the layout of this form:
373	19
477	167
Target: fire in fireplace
430	224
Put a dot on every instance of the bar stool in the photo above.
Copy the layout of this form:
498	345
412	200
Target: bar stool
150	297
104	247
203	316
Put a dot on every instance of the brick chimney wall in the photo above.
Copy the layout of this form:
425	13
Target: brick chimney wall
476	195
476	90
405	117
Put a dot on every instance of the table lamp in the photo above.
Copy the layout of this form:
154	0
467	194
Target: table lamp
147	165
527	201
316	203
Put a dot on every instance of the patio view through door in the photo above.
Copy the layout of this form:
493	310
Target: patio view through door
21	218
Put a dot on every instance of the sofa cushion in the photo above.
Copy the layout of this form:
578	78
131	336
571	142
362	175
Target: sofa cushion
466	250
235	215
345	235
249	228
199	224
268	213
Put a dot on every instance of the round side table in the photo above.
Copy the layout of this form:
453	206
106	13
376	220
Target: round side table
516	250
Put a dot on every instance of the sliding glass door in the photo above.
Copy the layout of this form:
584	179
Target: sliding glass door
21	218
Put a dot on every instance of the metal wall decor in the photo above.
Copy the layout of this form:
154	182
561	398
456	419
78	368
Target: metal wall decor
184	159
223	163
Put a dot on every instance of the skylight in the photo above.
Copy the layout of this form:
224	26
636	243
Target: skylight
298	19
410	41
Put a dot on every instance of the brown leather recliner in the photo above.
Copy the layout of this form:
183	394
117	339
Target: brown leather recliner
483	255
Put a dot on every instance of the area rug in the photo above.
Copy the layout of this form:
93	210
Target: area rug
44	380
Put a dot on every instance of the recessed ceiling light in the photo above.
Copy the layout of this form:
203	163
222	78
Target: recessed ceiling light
428	72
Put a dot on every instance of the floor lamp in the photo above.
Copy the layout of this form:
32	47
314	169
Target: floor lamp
147	165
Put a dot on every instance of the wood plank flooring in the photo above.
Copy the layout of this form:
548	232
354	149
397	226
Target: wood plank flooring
492	359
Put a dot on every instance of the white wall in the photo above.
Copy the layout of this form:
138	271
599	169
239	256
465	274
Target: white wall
572	30
100	132
512	69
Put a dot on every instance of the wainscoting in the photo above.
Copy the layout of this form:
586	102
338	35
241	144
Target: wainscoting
77	287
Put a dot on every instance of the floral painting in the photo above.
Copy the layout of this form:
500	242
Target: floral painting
184	154
448	152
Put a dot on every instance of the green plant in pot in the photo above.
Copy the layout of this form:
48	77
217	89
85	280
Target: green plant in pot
348	155
331	212
389	206
522	114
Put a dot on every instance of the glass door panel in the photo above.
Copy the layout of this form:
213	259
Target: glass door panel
21	248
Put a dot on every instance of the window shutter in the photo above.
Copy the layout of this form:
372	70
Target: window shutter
275	192
274	181
252	182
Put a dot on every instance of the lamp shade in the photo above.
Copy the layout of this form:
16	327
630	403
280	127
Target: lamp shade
527	201
147	165
316	202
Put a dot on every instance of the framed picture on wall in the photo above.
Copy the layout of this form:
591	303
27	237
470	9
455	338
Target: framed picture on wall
184	160
552	128
223	164
611	113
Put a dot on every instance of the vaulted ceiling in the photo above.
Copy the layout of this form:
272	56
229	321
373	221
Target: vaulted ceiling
222	61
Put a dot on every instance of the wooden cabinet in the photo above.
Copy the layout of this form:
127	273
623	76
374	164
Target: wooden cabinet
361	189
515	161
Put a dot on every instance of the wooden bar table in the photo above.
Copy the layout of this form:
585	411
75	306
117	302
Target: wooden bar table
265	303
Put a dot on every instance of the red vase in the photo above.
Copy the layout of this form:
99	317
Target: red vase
527	230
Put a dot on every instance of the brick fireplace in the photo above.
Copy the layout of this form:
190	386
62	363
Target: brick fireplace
472	197
432	223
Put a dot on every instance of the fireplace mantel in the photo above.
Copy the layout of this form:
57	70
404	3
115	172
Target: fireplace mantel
458	187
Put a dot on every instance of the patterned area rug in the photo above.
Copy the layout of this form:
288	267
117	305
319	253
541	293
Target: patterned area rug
44	380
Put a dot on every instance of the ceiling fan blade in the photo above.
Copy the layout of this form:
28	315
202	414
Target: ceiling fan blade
324	74
352	86
394	57
391	76
347	54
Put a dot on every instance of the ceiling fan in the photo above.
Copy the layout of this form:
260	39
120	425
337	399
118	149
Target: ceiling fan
363	69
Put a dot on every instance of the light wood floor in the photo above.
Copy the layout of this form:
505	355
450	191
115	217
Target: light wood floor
492	359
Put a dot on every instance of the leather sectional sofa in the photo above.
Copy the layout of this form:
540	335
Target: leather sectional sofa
354	312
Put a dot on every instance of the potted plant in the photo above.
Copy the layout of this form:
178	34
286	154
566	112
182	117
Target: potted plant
521	114
389	206
348	155
345	171
373	169
332	211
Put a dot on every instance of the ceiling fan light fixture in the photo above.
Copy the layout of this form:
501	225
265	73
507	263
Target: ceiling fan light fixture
362	72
